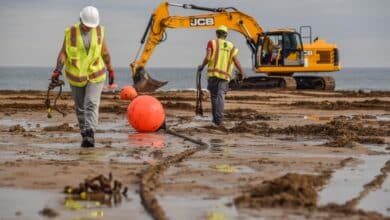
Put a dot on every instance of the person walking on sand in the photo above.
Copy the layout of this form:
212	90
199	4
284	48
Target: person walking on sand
219	58
85	55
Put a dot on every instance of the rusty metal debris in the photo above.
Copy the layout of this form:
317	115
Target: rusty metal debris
48	212
100	188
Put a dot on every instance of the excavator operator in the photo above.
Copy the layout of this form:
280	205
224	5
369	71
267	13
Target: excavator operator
219	58
271	51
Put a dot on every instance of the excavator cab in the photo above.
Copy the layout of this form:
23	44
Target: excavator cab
280	48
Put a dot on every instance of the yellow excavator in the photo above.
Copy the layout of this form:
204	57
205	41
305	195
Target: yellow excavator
277	53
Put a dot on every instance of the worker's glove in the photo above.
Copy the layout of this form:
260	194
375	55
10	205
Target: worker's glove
200	68
240	76
55	76
111	77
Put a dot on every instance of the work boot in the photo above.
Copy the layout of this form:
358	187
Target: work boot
88	139
84	137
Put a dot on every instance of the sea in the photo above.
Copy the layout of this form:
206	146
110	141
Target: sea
37	78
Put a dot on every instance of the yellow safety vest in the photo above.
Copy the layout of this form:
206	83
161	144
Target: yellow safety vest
80	67
221	62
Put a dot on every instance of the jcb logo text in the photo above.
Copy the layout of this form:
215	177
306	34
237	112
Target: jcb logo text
201	22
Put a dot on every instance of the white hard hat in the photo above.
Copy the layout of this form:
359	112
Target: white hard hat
90	16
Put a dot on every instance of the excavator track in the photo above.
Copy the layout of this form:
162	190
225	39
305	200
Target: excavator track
330	83
287	83
326	83
264	82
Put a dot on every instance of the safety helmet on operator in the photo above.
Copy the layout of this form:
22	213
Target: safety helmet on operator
223	28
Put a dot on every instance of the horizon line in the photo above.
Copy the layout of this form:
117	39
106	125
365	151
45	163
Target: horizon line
182	67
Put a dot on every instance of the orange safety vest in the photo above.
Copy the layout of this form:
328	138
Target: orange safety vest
80	67
220	64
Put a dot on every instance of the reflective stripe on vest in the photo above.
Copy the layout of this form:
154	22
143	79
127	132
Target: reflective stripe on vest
73	37
80	67
84	78
99	34
220	64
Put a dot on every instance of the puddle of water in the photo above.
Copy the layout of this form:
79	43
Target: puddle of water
208	166
383	117
98	135
60	135
203	118
262	148
348	182
113	135
197	208
114	126
378	148
237	171
28	203
193	124
21	121
12	156
8	156
198	121
244	169
150	140
56	145
315	142
378	200
124	158
93	156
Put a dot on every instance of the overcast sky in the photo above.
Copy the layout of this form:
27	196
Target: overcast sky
32	30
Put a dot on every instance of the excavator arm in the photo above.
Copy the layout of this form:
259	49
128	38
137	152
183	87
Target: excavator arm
160	20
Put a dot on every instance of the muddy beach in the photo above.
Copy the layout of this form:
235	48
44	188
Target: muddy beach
281	155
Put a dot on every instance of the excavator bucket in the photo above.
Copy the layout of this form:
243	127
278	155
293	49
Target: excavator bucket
143	82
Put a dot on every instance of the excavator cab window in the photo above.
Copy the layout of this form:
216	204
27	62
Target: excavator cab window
281	49
271	50
292	50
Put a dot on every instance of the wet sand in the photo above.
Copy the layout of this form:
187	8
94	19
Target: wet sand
281	154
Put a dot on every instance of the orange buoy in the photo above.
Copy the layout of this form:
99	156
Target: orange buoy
145	114
128	93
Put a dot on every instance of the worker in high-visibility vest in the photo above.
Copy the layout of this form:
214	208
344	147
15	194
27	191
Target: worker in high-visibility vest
85	55
220	57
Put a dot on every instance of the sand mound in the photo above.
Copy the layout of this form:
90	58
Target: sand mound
291	190
344	105
179	105
246	114
16	129
62	127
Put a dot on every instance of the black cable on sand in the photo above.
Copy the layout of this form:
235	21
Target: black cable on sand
150	177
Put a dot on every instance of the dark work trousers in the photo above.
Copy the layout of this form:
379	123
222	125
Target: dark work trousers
218	88
87	101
